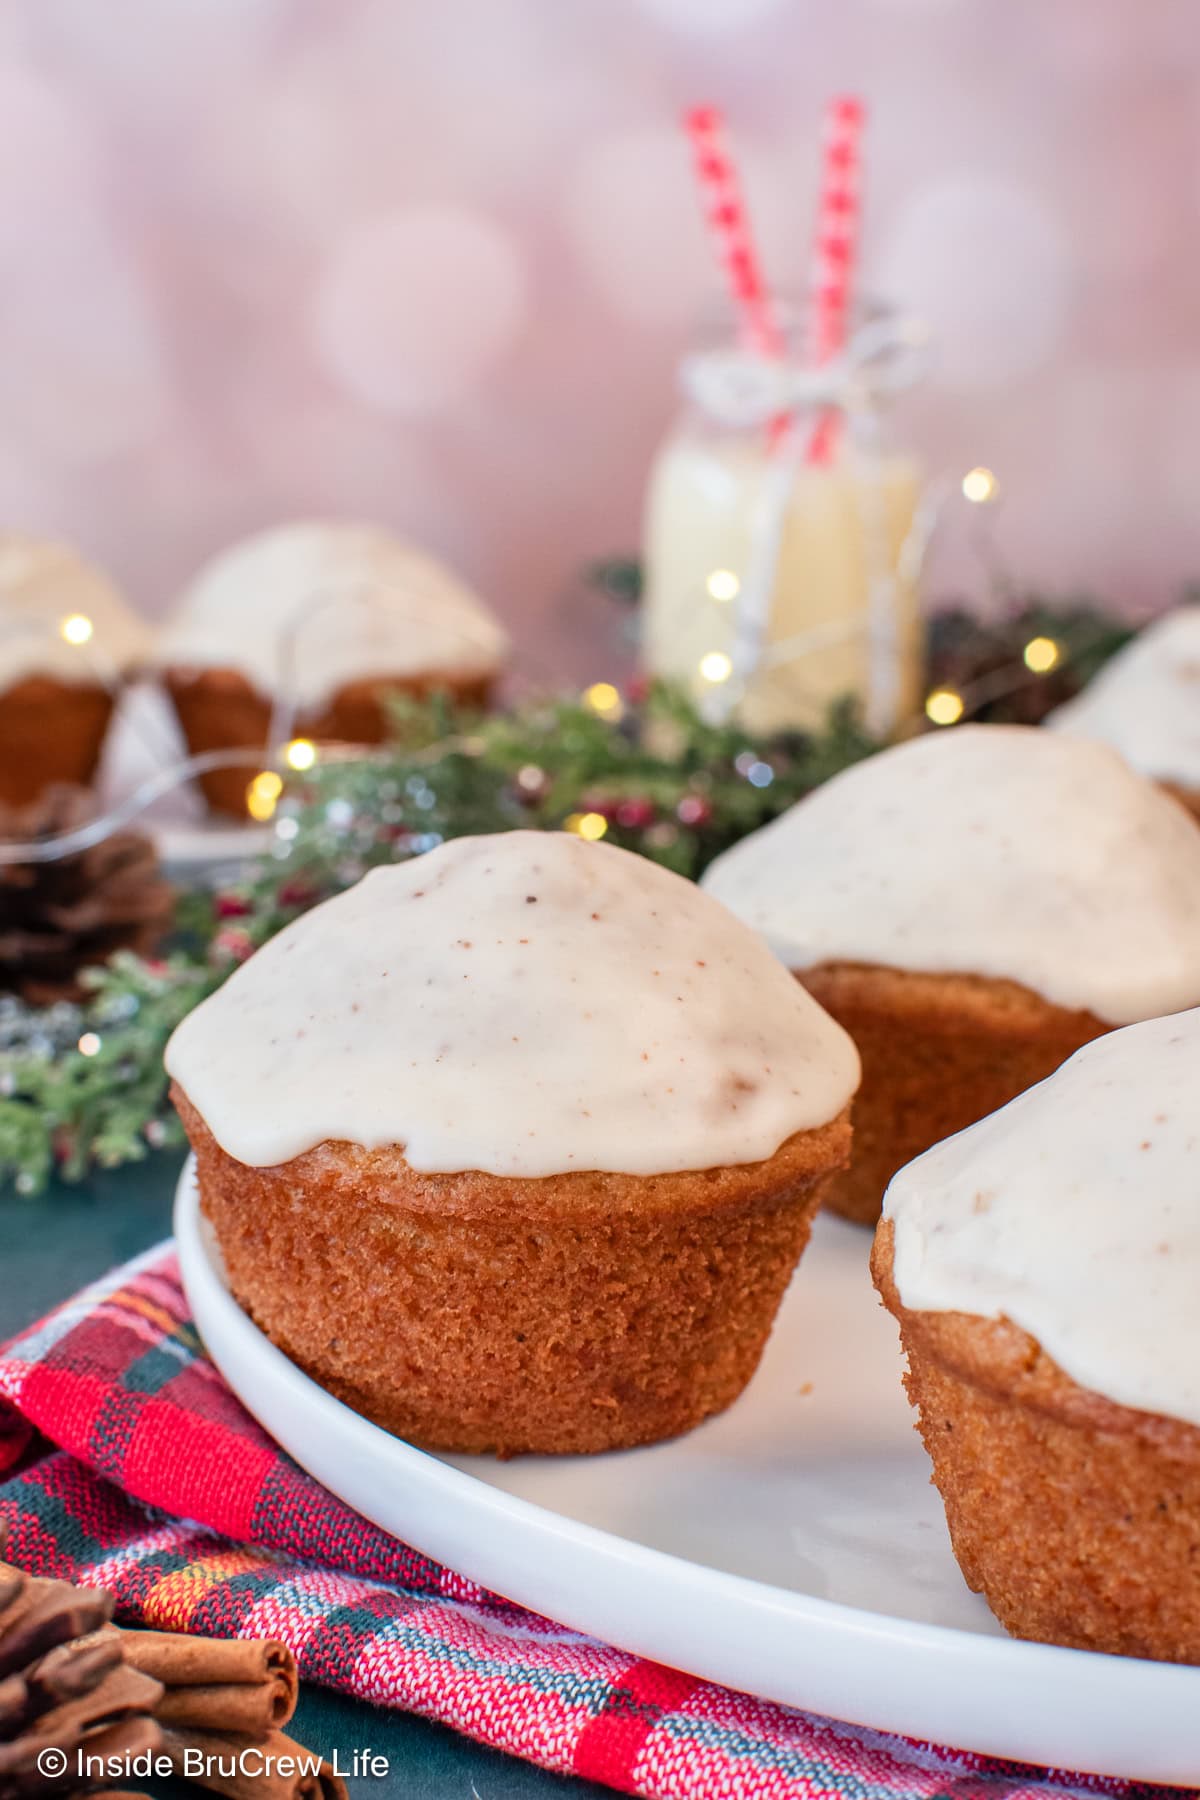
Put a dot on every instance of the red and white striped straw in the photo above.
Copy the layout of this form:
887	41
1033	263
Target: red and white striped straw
729	225
835	251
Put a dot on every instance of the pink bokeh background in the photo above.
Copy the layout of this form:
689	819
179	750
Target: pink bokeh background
434	264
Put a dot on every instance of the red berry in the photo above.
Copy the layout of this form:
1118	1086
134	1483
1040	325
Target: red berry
234	944
295	893
635	815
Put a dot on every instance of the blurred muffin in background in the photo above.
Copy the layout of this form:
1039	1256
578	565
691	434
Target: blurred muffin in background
1146	704
67	641
316	623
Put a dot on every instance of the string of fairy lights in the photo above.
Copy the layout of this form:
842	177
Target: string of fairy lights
1041	655
75	628
943	706
656	814
262	793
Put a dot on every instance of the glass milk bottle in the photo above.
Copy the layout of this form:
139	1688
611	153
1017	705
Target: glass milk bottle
742	518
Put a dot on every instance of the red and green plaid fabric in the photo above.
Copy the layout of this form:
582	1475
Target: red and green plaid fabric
155	1482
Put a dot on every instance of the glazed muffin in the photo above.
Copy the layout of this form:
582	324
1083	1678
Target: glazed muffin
1043	1268
515	1147
972	906
67	640
1146	704
323	620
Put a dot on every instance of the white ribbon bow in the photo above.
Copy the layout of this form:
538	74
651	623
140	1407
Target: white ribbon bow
741	389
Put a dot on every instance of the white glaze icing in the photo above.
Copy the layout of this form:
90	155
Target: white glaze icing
1146	701
43	583
525	1004
1075	1212
996	850
337	602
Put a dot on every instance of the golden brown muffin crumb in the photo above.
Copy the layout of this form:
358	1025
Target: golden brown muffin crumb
938	1052
50	731
1187	797
219	709
580	1312
1076	1518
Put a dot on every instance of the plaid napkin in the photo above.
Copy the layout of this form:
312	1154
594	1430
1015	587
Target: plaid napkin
164	1489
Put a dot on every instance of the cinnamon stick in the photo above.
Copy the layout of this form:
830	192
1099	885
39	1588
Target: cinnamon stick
228	1708
87	1687
217	1684
241	1767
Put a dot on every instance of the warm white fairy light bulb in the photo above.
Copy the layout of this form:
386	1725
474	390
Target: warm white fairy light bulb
589	825
1041	654
716	667
603	699
723	584
979	486
944	707
300	754
262	794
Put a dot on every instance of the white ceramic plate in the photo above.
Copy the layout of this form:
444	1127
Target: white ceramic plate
191	843
793	1547
207	847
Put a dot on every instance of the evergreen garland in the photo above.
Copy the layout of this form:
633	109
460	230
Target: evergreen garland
82	1084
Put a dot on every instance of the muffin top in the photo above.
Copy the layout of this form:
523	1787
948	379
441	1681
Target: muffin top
1146	701
995	850
303	609
1075	1212
524	1004
45	587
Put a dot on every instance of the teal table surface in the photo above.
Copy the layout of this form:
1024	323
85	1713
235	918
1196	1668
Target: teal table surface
51	1246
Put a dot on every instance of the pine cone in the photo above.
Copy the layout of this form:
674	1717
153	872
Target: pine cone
57	918
62	1690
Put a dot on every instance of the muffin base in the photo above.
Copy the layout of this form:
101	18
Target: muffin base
50	731
1187	797
1077	1519
218	709
938	1052
473	1312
